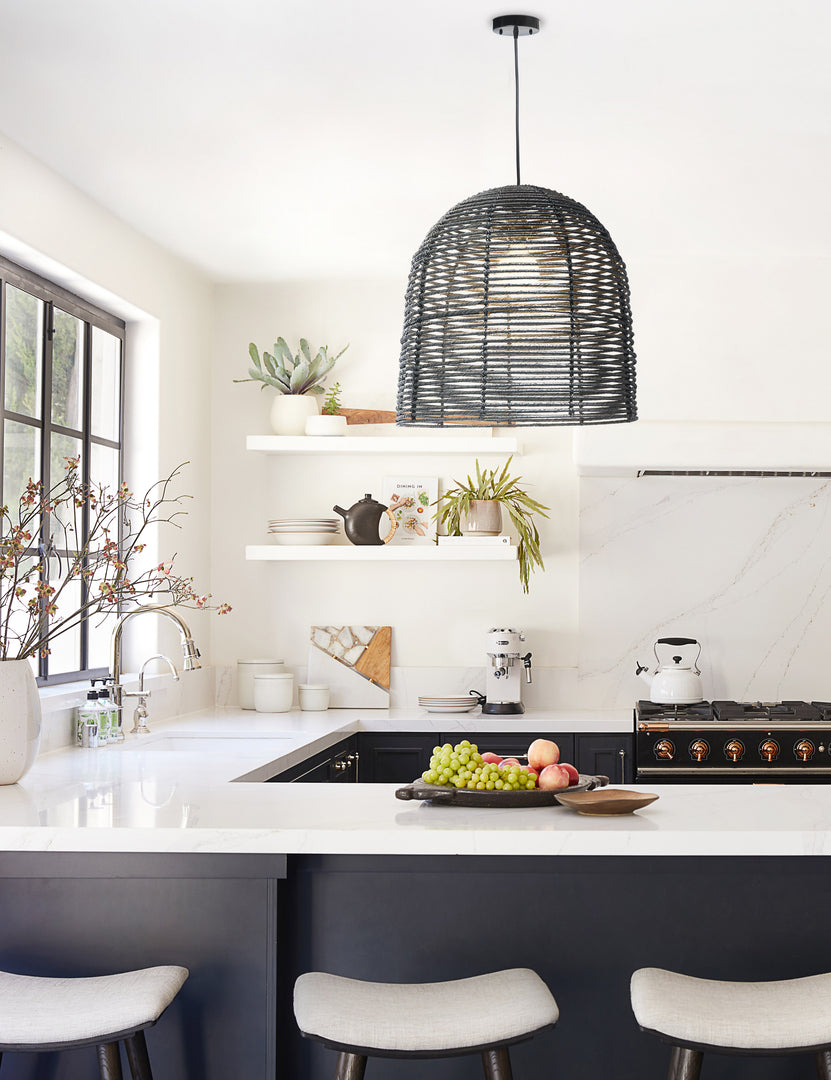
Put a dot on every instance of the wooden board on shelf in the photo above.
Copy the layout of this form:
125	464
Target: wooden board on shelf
367	416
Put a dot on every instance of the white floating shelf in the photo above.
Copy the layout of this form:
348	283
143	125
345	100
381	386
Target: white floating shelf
370	553
381	444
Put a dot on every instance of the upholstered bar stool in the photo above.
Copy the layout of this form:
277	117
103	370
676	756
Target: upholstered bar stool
39	1014
751	1018
482	1015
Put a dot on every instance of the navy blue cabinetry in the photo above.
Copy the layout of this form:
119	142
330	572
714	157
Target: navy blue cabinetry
337	765
397	757
609	755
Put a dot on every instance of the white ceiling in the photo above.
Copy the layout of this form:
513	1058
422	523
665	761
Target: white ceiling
308	138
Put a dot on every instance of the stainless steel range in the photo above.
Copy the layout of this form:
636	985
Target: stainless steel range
733	741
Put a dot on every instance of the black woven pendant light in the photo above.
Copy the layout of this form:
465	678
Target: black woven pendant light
517	311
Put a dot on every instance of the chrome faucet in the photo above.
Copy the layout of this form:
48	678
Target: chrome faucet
189	649
140	715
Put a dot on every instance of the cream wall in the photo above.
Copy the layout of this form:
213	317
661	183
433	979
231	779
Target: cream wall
52	227
440	613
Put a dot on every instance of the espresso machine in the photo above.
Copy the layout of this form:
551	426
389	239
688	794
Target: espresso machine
503	674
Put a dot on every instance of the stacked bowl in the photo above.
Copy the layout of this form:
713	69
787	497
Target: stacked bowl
312	531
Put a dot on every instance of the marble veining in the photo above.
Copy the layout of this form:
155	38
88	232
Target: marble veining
743	564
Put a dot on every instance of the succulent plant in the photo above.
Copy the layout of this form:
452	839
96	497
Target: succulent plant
300	374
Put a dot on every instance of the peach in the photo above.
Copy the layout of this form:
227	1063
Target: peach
491	759
543	752
553	778
573	774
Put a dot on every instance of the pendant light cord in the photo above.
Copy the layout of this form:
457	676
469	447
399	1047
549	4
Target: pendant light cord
516	95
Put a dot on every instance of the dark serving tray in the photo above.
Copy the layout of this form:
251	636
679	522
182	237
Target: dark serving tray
453	796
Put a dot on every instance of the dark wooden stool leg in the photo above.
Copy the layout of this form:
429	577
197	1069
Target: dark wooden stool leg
137	1057
109	1061
497	1064
823	1060
684	1064
350	1067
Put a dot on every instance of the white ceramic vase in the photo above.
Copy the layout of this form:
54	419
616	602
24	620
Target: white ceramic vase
289	413
484	518
19	720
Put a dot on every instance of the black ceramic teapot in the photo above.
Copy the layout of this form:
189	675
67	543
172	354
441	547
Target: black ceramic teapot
362	519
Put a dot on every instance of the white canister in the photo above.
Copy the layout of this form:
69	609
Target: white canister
273	693
246	670
313	698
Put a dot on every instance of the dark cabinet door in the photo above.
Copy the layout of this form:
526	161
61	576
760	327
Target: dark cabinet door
512	743
606	755
337	765
393	757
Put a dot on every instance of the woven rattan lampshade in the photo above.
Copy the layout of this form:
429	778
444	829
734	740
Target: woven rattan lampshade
517	310
517	313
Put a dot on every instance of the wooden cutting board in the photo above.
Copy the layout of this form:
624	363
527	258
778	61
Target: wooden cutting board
367	416
375	662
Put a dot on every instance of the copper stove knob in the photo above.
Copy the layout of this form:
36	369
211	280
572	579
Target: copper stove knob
734	750
664	749
769	750
804	749
699	749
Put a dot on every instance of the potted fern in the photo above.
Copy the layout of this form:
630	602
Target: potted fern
475	508
296	378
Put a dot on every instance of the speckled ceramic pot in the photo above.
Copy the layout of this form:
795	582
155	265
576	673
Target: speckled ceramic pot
484	518
19	720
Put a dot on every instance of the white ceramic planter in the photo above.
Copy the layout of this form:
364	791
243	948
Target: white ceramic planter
326	425
289	413
19	720
483	519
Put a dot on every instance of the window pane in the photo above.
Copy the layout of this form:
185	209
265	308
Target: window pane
21	461
21	621
68	371
63	447
103	467
65	649
100	630
106	384
24	352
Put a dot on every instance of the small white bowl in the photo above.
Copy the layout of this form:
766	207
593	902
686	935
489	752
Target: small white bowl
326	425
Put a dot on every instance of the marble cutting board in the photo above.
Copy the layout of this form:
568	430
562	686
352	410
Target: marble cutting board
354	662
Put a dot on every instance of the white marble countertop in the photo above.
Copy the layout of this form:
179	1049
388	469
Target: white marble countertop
174	790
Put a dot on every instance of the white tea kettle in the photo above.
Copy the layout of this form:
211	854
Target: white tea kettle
676	683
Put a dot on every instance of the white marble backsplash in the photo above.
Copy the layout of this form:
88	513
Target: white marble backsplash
742	564
552	688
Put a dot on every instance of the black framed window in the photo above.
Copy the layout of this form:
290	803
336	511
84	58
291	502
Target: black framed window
61	389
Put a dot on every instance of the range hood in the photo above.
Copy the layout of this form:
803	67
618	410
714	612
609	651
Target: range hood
700	448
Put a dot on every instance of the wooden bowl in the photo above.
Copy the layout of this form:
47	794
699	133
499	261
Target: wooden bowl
605	802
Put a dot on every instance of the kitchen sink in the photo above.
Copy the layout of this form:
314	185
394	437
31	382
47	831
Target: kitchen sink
233	745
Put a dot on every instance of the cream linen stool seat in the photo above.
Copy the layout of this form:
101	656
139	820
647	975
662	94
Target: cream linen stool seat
39	1014
481	1015
752	1018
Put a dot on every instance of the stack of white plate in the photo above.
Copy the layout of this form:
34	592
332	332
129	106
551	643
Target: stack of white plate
456	703
314	531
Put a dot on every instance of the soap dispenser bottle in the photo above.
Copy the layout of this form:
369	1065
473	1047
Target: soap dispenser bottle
89	717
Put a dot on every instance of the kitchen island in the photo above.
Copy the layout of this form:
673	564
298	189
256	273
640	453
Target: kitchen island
161	851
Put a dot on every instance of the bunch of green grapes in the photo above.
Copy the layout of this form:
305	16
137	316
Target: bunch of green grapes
461	766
